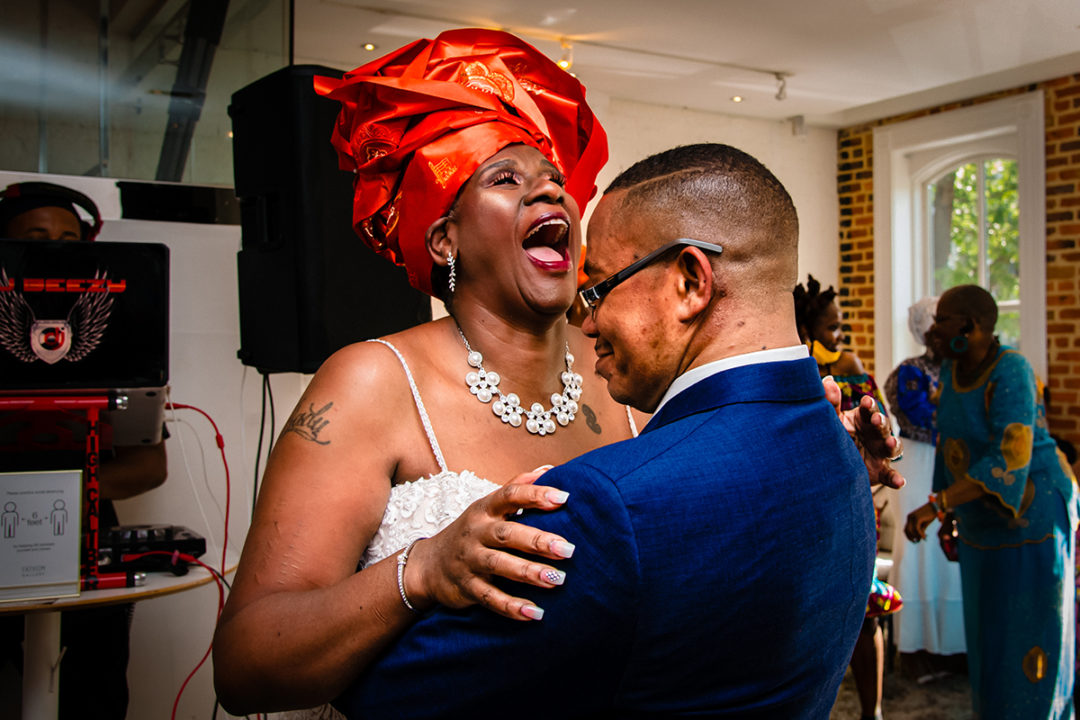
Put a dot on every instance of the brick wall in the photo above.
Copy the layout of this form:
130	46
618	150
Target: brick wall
855	172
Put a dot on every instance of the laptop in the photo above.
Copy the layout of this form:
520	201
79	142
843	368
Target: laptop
88	318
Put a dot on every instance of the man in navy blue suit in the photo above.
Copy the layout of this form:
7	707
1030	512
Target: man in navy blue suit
723	558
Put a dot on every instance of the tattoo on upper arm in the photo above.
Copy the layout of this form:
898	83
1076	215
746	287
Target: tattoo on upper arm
308	424
590	418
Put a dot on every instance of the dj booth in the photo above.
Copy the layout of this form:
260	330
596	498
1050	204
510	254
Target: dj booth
84	349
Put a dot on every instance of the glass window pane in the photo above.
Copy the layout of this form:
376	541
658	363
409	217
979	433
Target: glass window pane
1008	327
954	229
962	230
1002	229
59	76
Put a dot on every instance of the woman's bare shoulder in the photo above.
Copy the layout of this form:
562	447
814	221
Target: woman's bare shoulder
848	365
374	366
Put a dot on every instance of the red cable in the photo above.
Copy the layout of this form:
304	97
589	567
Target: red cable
221	604
220	440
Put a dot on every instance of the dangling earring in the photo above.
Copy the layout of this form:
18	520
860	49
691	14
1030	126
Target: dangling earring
959	344
453	271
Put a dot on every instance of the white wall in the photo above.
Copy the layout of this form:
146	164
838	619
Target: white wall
805	164
170	634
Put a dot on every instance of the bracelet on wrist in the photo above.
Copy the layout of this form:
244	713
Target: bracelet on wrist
403	558
934	502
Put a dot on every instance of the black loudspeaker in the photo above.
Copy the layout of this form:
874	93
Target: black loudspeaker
308	284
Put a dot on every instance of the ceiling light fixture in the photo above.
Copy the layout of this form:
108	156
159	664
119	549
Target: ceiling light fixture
567	60
736	98
568	51
369	46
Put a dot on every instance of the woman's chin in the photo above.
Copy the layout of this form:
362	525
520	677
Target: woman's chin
550	301
549	295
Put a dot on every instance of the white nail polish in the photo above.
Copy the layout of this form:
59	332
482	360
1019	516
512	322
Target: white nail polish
532	612
557	496
545	468
562	548
555	577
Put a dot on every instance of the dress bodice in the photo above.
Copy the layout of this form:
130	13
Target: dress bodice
421	508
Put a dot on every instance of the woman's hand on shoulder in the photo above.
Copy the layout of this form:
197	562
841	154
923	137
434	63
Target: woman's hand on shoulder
455	568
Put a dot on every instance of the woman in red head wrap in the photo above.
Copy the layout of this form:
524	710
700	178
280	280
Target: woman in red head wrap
474	155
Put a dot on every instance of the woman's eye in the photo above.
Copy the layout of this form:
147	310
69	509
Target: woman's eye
558	178
504	177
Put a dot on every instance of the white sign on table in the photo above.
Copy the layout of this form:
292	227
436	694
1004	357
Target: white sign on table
40	518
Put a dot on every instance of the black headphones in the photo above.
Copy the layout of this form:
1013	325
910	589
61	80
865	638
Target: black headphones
60	193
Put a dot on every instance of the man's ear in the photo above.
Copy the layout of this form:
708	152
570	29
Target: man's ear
438	240
696	283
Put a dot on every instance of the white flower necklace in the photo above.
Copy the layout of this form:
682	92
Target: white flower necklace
485	385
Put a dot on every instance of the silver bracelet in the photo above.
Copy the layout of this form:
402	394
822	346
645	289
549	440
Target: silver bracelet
403	558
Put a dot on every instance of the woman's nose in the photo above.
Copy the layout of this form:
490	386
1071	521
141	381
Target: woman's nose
545	188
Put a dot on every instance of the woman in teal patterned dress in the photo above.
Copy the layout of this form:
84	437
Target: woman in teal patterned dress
1015	504
820	324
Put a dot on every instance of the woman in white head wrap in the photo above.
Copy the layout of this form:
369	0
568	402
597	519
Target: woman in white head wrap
933	619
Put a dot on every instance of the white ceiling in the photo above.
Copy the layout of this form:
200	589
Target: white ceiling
845	61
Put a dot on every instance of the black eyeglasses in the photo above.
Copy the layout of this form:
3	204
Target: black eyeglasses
592	295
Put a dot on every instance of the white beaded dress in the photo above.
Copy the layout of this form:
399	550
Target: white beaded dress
415	510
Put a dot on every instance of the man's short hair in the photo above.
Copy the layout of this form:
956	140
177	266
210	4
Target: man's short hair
718	193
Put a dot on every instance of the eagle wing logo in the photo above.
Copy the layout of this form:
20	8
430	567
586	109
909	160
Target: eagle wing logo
89	318
16	319
30	339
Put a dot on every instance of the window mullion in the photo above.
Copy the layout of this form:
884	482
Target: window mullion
984	274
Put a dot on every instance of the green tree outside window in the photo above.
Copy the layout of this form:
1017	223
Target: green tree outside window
975	236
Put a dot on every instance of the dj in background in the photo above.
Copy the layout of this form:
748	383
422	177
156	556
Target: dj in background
93	673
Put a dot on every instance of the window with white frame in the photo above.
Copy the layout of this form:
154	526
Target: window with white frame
960	197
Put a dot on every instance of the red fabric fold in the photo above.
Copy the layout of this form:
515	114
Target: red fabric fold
417	123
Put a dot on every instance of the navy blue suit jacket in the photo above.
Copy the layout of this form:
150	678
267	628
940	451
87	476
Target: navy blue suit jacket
722	568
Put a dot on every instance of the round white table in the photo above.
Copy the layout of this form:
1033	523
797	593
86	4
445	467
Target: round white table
41	636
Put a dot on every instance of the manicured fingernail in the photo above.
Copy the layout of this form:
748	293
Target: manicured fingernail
557	496
520	511
545	468
532	612
555	577
562	548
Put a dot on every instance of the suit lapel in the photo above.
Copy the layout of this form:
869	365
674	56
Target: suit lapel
778	382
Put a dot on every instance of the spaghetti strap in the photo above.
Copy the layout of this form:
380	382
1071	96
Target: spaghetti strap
420	407
633	425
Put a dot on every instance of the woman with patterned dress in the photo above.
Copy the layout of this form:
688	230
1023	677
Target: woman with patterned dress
820	325
933	619
1000	476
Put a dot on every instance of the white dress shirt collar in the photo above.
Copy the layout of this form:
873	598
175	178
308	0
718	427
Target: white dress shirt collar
696	375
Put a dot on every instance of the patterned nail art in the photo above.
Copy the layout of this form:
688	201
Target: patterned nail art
555	577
